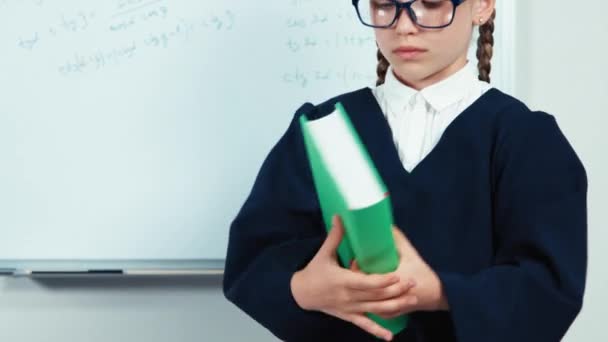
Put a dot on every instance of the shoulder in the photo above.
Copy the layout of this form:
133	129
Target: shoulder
292	136
515	123
354	98
512	113
525	138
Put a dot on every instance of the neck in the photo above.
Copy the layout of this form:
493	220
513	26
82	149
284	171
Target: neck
436	77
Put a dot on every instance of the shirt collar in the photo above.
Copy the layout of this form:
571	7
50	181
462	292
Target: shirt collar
397	94
439	95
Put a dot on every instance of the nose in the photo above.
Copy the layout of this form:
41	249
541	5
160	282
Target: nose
404	24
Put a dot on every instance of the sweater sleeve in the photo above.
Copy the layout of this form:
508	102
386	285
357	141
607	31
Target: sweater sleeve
276	233
534	289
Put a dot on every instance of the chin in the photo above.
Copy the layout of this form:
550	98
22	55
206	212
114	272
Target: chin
411	72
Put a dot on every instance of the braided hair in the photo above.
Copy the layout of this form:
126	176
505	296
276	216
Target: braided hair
485	47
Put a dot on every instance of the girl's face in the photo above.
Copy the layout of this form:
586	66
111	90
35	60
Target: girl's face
444	50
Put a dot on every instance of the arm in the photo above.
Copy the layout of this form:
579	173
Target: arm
276	233
535	288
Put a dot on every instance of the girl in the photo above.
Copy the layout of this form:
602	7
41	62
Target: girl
489	201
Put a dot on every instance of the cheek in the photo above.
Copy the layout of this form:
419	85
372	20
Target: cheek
459	33
448	45
383	40
451	44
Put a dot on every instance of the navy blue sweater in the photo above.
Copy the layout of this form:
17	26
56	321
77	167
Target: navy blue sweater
498	209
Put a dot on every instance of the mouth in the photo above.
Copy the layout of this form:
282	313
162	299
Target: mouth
409	52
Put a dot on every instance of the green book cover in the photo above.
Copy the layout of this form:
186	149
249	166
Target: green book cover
348	185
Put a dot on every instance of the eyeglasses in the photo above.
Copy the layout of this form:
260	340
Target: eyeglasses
432	14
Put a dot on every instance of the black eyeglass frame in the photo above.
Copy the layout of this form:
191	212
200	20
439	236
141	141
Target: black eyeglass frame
408	7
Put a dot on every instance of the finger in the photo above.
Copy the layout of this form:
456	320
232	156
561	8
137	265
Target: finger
370	326
396	290
395	315
361	281
354	266
392	307
334	237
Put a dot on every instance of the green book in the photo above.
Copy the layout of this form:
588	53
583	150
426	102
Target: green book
348	185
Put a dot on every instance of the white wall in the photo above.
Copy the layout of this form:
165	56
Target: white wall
560	69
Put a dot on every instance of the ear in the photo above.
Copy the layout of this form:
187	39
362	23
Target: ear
482	11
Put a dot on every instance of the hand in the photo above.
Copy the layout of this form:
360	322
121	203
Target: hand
323	285
428	290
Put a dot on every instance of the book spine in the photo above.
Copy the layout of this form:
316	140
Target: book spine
379	254
371	237
330	201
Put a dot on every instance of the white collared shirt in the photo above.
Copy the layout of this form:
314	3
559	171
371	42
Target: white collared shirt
419	118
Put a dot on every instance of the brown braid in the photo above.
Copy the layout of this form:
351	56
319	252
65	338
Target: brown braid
485	47
382	68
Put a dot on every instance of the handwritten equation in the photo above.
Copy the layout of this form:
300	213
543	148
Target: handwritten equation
124	29
80	37
311	31
303	77
337	41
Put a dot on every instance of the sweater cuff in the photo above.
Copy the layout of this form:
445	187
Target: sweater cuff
294	322
462	300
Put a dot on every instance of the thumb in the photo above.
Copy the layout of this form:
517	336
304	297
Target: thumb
404	246
334	237
398	236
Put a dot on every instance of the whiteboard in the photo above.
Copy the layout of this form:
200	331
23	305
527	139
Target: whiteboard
134	129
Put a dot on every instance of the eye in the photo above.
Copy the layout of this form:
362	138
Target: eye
382	5
433	4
